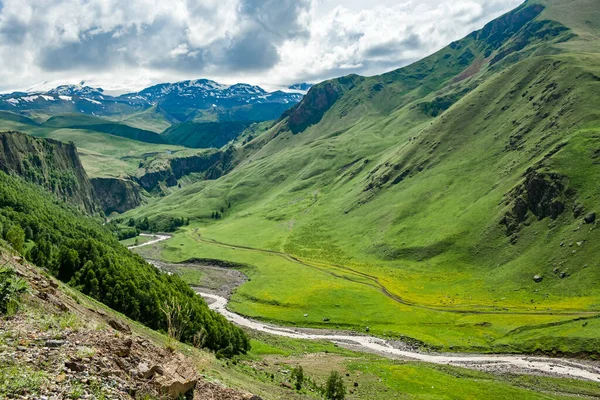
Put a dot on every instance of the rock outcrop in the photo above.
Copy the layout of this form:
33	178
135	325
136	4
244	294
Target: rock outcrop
319	99
542	195
116	195
212	164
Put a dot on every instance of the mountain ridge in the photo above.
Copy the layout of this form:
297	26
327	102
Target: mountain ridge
181	100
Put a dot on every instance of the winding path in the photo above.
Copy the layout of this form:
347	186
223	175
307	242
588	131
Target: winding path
373	281
544	365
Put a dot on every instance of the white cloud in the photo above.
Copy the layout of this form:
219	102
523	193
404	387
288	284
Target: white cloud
258	41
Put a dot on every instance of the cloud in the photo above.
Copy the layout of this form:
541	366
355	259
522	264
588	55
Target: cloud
259	41
371	40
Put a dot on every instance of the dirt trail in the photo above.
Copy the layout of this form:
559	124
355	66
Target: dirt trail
375	283
504	363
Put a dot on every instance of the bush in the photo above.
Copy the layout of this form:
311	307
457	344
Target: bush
16	237
298	377
334	389
11	289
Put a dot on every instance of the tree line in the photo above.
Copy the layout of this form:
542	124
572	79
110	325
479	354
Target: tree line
86	255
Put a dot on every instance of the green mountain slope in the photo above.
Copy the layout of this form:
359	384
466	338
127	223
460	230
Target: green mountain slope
205	134
448	184
96	124
152	119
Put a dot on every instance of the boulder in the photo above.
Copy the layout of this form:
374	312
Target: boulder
179	378
54	343
119	326
146	372
53	300
123	349
537	278
590	218
75	366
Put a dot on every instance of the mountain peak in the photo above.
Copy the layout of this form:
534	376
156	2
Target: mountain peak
75	90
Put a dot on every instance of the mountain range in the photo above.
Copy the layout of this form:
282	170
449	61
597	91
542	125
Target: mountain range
200	99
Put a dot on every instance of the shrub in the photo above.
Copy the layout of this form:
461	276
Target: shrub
298	377
11	289
334	389
16	237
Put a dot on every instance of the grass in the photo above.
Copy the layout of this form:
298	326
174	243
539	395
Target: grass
271	358
191	276
378	378
20	380
150	119
269	296
380	195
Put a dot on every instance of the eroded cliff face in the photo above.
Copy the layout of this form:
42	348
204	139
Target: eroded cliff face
49	163
212	164
116	195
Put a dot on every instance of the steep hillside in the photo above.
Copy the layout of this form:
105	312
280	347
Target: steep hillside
59	342
459	190
116	195
48	163
84	253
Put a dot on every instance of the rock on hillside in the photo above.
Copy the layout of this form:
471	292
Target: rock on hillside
211	164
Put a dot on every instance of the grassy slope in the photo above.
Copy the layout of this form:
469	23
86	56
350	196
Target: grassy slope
434	238
150	119
205	134
79	121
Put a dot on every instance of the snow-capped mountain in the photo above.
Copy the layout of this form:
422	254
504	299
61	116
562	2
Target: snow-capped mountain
203	92
303	87
181	101
77	90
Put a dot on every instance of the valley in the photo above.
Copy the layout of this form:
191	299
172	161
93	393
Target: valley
462	229
428	232
360	342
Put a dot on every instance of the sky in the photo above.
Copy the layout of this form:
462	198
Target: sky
128	45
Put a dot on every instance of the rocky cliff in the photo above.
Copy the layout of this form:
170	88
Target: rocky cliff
211	163
48	163
116	195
